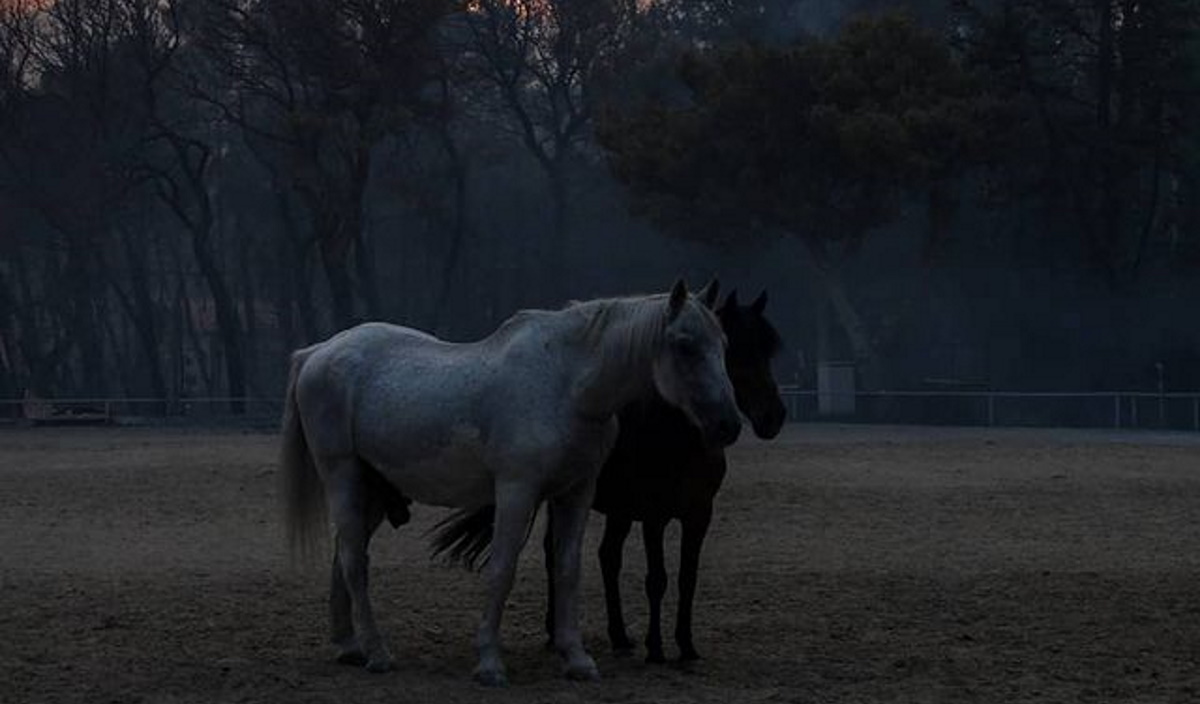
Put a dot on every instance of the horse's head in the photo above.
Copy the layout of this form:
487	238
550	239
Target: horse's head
752	343
689	370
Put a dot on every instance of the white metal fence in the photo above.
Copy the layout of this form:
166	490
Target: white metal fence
1096	409
1111	409
133	411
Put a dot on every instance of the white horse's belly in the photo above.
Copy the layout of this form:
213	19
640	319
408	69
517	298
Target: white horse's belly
450	472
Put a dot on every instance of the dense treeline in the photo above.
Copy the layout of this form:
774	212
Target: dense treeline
995	192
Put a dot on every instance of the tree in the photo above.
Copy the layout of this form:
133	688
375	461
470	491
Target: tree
822	140
71	136
320	83
1109	96
544	61
183	147
101	146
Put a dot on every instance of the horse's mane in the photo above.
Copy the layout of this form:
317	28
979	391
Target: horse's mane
624	330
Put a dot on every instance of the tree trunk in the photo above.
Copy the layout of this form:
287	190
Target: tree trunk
555	264
334	261
45	366
84	332
356	231
249	309
832	290
458	230
10	383
296	280
189	332
339	233
365	267
139	307
228	325
1107	249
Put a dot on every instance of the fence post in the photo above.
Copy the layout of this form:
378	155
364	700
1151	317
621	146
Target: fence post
991	410
1116	410
1196	413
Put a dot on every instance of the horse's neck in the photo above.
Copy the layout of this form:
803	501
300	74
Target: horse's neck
618	358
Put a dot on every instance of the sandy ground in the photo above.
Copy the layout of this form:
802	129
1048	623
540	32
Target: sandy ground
846	564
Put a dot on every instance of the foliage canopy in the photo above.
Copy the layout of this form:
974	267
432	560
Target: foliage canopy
821	139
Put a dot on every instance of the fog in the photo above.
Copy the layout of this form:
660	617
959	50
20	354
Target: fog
161	239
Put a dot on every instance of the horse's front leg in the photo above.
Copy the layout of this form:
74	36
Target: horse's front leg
568	515
515	505
656	585
548	554
612	549
695	528
348	506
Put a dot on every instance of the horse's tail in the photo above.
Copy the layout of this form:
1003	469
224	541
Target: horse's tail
465	537
300	487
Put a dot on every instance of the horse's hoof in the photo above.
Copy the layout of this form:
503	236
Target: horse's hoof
380	665
354	658
689	655
621	644
656	657
398	514
491	678
623	650
583	672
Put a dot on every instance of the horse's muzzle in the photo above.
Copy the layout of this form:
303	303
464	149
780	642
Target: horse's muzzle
725	431
767	425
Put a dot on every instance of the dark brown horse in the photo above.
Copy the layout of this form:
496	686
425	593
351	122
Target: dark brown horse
660	470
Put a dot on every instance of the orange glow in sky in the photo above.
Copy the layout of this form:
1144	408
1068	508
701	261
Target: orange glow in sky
27	5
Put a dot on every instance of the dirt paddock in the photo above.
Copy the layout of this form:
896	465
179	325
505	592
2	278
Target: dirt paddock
846	564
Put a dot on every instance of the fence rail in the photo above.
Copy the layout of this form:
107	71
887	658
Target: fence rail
1096	409
132	411
1090	409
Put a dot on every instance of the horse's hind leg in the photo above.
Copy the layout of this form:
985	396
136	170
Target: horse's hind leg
341	625
656	585
612	549
341	621
349	504
695	528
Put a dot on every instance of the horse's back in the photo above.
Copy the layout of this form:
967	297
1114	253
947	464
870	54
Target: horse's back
435	418
339	379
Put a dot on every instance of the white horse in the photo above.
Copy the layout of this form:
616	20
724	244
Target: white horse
378	414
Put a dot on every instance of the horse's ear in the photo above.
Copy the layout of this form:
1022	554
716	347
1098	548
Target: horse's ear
731	300
679	294
760	303
708	294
